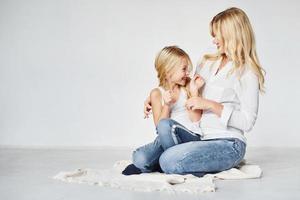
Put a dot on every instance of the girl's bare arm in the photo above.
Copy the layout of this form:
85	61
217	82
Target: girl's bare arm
159	111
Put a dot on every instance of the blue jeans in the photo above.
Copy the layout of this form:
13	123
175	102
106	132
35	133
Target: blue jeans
177	150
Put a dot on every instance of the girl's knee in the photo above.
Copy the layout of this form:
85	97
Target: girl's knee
164	126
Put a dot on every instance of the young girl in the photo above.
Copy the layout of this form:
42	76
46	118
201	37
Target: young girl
233	78
173	66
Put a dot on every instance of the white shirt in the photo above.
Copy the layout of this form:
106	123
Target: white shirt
240	98
180	114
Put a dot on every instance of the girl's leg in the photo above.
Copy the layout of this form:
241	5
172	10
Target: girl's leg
146	157
172	133
200	157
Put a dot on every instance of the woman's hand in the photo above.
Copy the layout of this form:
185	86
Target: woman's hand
147	107
196	83
199	103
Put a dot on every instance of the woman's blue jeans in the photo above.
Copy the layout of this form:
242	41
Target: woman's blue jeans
177	150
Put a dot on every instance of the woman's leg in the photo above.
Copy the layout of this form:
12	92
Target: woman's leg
172	133
200	157
146	157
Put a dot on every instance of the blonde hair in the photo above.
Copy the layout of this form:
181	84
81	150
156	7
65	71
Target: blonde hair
233	28
166	60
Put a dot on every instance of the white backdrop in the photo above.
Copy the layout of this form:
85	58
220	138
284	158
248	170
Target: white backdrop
76	73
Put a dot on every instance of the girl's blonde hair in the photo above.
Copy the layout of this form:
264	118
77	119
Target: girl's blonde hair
233	28
166	60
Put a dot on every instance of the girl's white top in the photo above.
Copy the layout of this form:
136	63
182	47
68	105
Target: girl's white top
240	98
180	114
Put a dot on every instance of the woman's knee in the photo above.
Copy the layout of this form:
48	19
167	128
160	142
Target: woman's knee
169	163
239	147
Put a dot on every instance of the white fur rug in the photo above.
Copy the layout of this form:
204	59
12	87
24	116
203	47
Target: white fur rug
155	181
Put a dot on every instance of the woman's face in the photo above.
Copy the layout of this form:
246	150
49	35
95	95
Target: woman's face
220	45
180	73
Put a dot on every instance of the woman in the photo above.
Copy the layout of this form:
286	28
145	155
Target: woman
233	78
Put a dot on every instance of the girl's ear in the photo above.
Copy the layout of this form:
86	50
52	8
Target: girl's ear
168	77
169	84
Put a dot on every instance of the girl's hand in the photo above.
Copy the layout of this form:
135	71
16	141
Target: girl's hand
147	107
196	83
199	81
168	97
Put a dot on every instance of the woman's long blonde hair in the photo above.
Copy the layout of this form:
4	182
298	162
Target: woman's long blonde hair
166	60
233	28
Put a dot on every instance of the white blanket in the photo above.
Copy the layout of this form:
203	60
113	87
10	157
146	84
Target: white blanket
155	181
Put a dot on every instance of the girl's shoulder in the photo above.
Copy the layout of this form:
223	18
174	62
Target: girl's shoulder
156	93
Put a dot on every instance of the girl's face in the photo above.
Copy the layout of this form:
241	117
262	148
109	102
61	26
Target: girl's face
180	74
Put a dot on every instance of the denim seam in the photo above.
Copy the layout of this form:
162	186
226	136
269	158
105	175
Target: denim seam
173	134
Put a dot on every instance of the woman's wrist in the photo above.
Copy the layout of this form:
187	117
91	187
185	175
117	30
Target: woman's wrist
167	105
194	94
215	107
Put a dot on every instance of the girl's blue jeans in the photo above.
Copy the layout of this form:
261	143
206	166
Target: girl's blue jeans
177	150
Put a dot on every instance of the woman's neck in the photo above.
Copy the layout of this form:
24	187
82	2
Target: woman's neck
224	61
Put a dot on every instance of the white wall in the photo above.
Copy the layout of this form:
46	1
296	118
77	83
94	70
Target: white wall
76	73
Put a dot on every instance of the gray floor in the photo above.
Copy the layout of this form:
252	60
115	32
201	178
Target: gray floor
24	174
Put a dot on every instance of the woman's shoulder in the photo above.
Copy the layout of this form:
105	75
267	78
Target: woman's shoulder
248	79
249	74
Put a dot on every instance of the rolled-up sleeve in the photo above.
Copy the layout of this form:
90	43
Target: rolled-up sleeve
244	117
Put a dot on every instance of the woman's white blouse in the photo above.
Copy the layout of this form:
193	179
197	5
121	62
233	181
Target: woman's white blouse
239	96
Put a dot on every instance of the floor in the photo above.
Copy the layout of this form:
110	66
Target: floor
25	175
